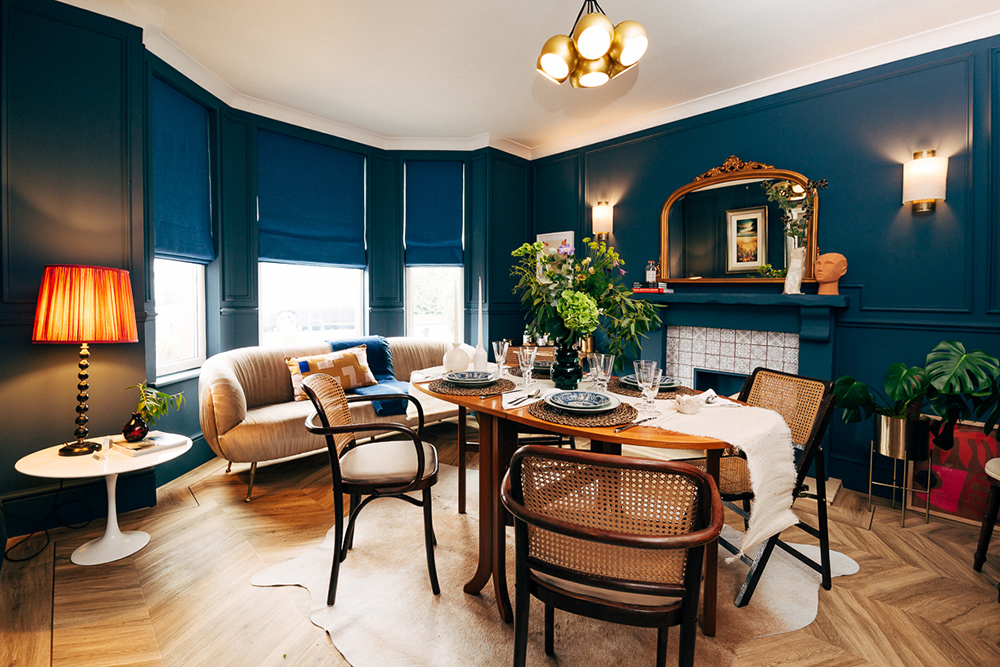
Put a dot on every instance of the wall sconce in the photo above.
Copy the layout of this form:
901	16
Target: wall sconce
604	221
924	180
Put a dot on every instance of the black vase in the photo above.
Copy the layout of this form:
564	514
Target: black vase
136	428
566	371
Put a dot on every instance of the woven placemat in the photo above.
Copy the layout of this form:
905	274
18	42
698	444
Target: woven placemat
621	415
616	386
536	373
494	389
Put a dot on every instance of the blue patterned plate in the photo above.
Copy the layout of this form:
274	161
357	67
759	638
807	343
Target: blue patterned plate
471	378
583	401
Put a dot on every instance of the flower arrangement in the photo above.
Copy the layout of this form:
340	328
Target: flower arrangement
569	297
154	404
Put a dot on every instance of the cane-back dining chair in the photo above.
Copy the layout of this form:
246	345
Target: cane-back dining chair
385	468
806	405
609	537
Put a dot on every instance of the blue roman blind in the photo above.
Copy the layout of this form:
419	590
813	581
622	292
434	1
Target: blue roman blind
311	202
182	201
434	196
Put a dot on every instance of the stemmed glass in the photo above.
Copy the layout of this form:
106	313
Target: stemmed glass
526	360
603	363
647	376
500	355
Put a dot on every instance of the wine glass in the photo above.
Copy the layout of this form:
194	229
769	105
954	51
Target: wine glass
500	355
649	381
526	360
604	363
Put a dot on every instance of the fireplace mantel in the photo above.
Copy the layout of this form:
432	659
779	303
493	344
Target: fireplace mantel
811	316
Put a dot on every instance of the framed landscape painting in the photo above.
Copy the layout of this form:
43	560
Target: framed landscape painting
746	239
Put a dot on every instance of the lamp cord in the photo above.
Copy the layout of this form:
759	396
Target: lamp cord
587	4
40	526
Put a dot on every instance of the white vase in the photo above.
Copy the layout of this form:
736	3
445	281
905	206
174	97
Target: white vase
796	267
479	360
456	359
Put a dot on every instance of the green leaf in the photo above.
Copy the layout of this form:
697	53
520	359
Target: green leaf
905	384
952	370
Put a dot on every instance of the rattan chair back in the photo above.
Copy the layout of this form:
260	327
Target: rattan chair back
797	399
328	398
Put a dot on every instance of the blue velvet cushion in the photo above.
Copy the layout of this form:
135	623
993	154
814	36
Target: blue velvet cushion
380	363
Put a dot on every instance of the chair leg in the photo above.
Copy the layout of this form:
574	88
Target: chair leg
253	473
338	550
522	604
462	435
429	542
746	508
986	532
355	499
756	569
661	647
824	533
550	630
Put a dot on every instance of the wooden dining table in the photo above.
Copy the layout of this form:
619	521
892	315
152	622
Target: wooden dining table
498	431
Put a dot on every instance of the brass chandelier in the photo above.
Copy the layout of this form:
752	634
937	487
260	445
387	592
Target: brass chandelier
597	52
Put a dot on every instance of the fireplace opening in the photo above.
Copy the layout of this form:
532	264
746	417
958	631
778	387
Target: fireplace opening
723	382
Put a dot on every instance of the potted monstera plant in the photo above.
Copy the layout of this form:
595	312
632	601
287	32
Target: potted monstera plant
955	383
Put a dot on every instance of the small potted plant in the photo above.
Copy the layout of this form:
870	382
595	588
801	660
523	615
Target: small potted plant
955	383
153	404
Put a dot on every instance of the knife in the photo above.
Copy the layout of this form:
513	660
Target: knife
635	423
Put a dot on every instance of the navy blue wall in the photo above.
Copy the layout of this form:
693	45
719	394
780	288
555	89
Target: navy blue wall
912	280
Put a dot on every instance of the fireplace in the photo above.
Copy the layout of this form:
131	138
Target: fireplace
703	355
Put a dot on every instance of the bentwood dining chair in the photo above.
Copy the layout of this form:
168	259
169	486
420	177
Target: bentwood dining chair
365	471
609	537
806	405
989	517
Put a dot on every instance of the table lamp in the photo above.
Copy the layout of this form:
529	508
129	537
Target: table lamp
84	304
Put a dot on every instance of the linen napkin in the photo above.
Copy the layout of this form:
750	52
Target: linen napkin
427	374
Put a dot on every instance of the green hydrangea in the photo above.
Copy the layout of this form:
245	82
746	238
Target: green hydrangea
578	311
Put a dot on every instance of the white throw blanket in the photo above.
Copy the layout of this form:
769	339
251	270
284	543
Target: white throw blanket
764	437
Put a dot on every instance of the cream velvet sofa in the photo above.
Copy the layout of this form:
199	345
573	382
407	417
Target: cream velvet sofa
248	413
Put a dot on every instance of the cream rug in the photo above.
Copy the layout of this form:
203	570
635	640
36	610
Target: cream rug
387	615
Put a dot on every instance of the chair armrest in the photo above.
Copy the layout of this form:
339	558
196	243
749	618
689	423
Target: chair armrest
418	445
357	398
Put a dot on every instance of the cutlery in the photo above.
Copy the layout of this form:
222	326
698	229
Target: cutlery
635	423
518	401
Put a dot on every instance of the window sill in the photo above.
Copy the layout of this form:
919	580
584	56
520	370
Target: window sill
173	378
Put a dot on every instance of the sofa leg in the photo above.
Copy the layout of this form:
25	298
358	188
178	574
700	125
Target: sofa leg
253	471
229	468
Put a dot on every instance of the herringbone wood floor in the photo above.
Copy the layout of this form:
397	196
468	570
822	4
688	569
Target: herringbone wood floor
185	599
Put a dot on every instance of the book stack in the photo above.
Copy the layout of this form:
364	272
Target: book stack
650	288
155	441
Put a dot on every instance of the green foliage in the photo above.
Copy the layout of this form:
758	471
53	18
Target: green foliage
154	404
768	271
792	198
581	286
955	383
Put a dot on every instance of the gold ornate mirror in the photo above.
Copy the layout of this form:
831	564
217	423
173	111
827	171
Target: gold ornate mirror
721	227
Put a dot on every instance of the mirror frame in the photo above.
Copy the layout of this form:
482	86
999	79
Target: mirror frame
733	170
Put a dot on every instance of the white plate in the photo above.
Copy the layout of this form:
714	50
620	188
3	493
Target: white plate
583	402
471	378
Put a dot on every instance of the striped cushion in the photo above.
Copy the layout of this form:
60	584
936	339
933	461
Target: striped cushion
349	366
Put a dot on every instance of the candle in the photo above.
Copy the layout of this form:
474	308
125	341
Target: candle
481	312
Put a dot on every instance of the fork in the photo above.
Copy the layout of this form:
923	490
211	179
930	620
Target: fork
518	401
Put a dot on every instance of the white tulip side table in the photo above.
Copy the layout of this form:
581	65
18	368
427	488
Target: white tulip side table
107	463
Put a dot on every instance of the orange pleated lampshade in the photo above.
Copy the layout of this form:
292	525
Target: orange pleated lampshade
84	304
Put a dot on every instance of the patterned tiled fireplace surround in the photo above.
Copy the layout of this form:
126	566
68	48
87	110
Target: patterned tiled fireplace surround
733	333
728	350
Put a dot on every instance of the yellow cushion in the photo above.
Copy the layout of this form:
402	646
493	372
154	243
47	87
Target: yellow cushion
349	366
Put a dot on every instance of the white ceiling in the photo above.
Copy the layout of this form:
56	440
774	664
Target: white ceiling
460	74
